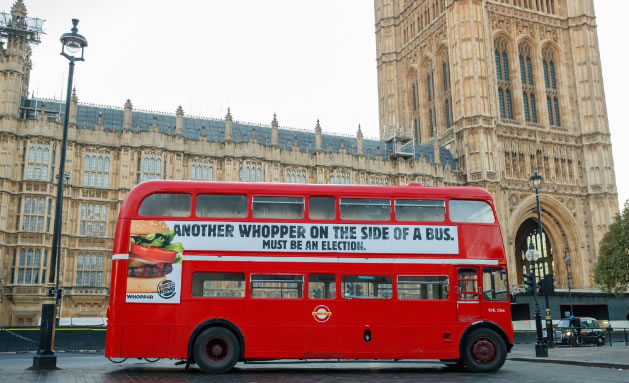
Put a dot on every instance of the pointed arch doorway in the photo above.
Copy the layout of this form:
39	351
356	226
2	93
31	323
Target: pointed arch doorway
528	233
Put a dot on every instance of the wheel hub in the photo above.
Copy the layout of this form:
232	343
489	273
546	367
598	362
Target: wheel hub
217	350
484	351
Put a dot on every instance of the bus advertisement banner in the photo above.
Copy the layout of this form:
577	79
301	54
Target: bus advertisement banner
155	257
319	238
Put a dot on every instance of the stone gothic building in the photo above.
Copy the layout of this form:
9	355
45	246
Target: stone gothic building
517	86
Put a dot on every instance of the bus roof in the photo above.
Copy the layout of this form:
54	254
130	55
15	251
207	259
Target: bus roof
140	192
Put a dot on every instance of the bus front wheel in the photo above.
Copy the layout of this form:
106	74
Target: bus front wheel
216	350
484	350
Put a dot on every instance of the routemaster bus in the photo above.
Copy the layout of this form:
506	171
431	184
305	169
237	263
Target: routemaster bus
215	273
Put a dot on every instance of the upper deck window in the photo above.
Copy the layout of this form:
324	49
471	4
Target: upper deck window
321	208
365	209
221	206
419	210
278	207
166	205
471	212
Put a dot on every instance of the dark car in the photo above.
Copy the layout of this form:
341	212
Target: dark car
579	330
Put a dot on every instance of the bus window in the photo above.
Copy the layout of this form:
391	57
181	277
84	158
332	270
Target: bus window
278	207
471	212
277	286
218	285
468	285
221	206
321	286
166	205
419	210
365	209
411	287
495	284
372	287
321	208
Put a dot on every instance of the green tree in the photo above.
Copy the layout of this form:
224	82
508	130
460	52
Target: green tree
612	271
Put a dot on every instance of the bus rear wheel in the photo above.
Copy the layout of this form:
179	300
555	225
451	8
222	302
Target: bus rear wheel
484	351
216	350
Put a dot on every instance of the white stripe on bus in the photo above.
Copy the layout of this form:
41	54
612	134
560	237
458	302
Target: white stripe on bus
425	261
237	258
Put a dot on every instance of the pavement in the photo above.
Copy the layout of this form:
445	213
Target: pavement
564	364
589	356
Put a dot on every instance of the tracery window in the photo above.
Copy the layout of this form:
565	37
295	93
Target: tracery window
202	171
295	176
341	177
96	170
93	220
503	78
251	172
550	82
35	213
152	169
38	163
30	267
379	180
528	84
89	270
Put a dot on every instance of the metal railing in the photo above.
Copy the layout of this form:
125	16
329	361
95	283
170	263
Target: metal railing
615	331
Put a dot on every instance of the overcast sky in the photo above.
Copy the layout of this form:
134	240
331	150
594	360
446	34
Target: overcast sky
304	60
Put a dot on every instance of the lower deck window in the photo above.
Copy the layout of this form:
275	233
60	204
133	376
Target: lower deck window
321	286
367	286
218	285
277	286
422	287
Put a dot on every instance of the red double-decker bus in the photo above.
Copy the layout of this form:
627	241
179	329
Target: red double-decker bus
216	273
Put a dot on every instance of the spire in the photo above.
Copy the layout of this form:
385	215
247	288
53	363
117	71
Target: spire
274	131
18	9
359	140
179	121
318	136
74	106
127	115
228	126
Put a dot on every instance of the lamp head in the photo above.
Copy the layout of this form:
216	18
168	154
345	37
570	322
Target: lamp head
72	43
536	180
532	253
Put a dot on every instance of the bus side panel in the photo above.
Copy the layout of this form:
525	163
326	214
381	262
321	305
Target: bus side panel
113	343
145	341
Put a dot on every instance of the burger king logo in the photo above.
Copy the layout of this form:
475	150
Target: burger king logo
166	289
321	313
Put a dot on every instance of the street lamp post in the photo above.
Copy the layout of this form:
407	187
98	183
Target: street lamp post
536	180
569	275
71	45
541	350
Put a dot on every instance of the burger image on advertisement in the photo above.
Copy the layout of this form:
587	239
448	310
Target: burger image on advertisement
151	255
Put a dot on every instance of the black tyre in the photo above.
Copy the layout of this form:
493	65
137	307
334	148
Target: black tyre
484	350
216	350
600	341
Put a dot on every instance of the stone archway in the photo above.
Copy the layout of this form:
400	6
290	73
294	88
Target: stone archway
528	233
560	237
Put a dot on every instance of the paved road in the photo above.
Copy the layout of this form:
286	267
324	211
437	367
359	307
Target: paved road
88	368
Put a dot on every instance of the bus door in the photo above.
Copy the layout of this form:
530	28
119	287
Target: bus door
495	305
275	326
366	311
321	318
467	302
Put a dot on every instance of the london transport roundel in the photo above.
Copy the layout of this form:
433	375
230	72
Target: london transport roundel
321	313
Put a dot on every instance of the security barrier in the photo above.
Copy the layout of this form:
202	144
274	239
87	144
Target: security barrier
26	339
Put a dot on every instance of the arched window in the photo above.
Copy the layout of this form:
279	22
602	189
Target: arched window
414	106
528	84
503	78
46	153
241	178
31	154
193	174
447	92
259	175
552	94
39	153
431	116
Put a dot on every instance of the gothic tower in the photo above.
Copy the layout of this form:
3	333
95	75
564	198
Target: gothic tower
509	86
